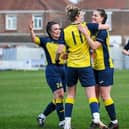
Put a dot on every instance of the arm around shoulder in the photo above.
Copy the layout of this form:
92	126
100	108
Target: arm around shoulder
103	27
93	44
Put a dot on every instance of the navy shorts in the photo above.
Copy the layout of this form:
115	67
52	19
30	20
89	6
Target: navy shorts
56	77
84	75
104	77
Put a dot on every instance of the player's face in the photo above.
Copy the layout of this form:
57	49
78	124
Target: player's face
96	17
80	17
55	31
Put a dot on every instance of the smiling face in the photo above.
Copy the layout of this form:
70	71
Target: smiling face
96	17
55	31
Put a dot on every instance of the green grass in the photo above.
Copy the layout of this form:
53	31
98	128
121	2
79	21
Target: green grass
24	94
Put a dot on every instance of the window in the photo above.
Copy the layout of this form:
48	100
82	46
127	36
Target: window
109	20
38	22
11	22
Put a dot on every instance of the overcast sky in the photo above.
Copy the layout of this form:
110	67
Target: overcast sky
74	1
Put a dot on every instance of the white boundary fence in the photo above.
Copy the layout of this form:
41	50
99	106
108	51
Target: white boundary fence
22	58
21	65
26	58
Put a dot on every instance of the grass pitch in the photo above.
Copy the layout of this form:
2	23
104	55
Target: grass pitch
24	94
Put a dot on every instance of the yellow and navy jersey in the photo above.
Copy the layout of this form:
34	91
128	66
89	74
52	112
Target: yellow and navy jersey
50	46
126	47
77	46
102	58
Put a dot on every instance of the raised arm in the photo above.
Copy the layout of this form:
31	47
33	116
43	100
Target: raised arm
32	33
34	38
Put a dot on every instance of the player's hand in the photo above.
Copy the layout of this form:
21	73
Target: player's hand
57	62
83	29
31	26
57	58
64	56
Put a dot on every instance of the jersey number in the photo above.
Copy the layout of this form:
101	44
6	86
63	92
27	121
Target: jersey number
75	39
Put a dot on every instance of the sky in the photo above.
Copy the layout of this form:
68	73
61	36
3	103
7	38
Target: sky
74	1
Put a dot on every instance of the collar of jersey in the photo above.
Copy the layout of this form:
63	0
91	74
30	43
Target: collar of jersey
75	23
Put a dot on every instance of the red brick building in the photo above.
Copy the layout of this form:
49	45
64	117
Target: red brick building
15	15
118	12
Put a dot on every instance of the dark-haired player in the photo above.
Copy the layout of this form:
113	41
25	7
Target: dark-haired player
55	69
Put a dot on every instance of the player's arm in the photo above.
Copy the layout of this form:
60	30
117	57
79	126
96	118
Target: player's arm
103	27
93	27
93	44
34	38
125	50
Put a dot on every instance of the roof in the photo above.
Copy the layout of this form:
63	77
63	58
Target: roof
106	4
60	4
33	4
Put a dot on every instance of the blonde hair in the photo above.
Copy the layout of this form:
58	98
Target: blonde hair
72	11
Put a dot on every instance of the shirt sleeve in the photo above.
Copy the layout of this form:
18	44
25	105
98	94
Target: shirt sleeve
127	46
43	41
101	36
93	27
37	40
